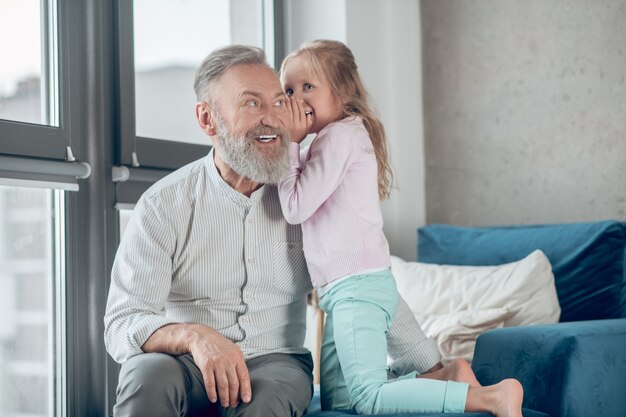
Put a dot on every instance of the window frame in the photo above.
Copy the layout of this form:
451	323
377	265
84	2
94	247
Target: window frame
139	151
136	150
51	142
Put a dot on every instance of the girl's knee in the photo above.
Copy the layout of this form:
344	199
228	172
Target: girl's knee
363	399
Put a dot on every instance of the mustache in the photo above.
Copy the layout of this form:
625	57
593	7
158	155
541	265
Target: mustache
267	130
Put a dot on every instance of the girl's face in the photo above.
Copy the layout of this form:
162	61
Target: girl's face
314	90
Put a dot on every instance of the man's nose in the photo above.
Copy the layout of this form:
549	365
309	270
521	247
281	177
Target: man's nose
271	117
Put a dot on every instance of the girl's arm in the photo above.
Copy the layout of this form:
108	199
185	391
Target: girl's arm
306	187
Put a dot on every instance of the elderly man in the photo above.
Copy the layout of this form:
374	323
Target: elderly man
206	310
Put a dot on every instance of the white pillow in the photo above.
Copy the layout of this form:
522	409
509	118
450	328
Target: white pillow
455	304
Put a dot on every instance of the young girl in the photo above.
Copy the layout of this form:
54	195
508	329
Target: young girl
334	192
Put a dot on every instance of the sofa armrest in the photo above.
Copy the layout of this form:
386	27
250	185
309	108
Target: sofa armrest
574	369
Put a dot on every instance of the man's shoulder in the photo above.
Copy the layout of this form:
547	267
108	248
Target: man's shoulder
180	181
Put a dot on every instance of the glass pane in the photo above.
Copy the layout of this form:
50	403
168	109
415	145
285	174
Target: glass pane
23	69
27	307
171	39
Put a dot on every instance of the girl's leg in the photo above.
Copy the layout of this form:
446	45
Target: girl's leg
361	349
458	370
333	390
503	399
361	310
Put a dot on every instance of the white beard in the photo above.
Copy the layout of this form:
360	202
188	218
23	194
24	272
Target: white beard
243	157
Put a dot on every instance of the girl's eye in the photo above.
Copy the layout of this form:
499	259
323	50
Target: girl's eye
289	92
307	86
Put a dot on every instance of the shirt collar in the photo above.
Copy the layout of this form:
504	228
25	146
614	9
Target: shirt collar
227	190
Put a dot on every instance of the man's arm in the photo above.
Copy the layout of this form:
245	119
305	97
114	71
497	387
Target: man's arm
221	361
141	279
135	321
408	346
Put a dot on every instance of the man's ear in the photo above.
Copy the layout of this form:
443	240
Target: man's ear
204	114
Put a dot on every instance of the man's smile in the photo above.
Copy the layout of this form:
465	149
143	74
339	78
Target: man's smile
266	138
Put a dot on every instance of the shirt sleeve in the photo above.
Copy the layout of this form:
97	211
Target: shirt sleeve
407	345
307	185
140	282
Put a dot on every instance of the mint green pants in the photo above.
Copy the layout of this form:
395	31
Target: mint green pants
353	375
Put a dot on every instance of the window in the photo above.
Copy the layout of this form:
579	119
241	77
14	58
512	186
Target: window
31	303
40	149
21	79
157	69
158	131
35	103
166	61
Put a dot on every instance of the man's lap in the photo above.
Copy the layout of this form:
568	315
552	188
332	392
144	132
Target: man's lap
281	385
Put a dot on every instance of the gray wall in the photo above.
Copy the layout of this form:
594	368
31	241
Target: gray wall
524	111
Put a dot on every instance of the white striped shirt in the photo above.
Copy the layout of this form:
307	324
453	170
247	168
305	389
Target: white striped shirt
197	251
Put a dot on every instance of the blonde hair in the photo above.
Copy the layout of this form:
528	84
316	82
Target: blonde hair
335	61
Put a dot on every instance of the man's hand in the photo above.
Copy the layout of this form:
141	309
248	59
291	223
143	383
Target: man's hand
222	365
221	361
299	119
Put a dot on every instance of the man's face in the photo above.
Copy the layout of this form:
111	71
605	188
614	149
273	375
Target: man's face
249	117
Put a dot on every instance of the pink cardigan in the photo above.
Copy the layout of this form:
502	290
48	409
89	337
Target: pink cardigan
333	193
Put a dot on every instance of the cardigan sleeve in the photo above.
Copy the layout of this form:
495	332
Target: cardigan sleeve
307	185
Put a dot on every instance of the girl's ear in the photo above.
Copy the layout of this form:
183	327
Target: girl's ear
205	118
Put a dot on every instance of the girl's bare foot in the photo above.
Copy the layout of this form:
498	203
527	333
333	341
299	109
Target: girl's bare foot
511	396
462	372
503	399
458	370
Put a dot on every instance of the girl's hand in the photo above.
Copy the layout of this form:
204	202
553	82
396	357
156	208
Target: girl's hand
300	119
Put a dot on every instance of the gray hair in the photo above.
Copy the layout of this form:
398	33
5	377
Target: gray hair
218	61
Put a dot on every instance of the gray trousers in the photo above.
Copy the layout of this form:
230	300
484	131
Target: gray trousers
156	384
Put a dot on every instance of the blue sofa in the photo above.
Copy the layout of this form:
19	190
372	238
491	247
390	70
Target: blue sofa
576	368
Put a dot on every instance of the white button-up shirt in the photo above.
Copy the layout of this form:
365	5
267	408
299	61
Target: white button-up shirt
197	251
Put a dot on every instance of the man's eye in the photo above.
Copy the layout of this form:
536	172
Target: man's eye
279	103
252	103
289	92
307	86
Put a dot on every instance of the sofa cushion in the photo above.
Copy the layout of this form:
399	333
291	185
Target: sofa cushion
455	304
456	333
587	259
